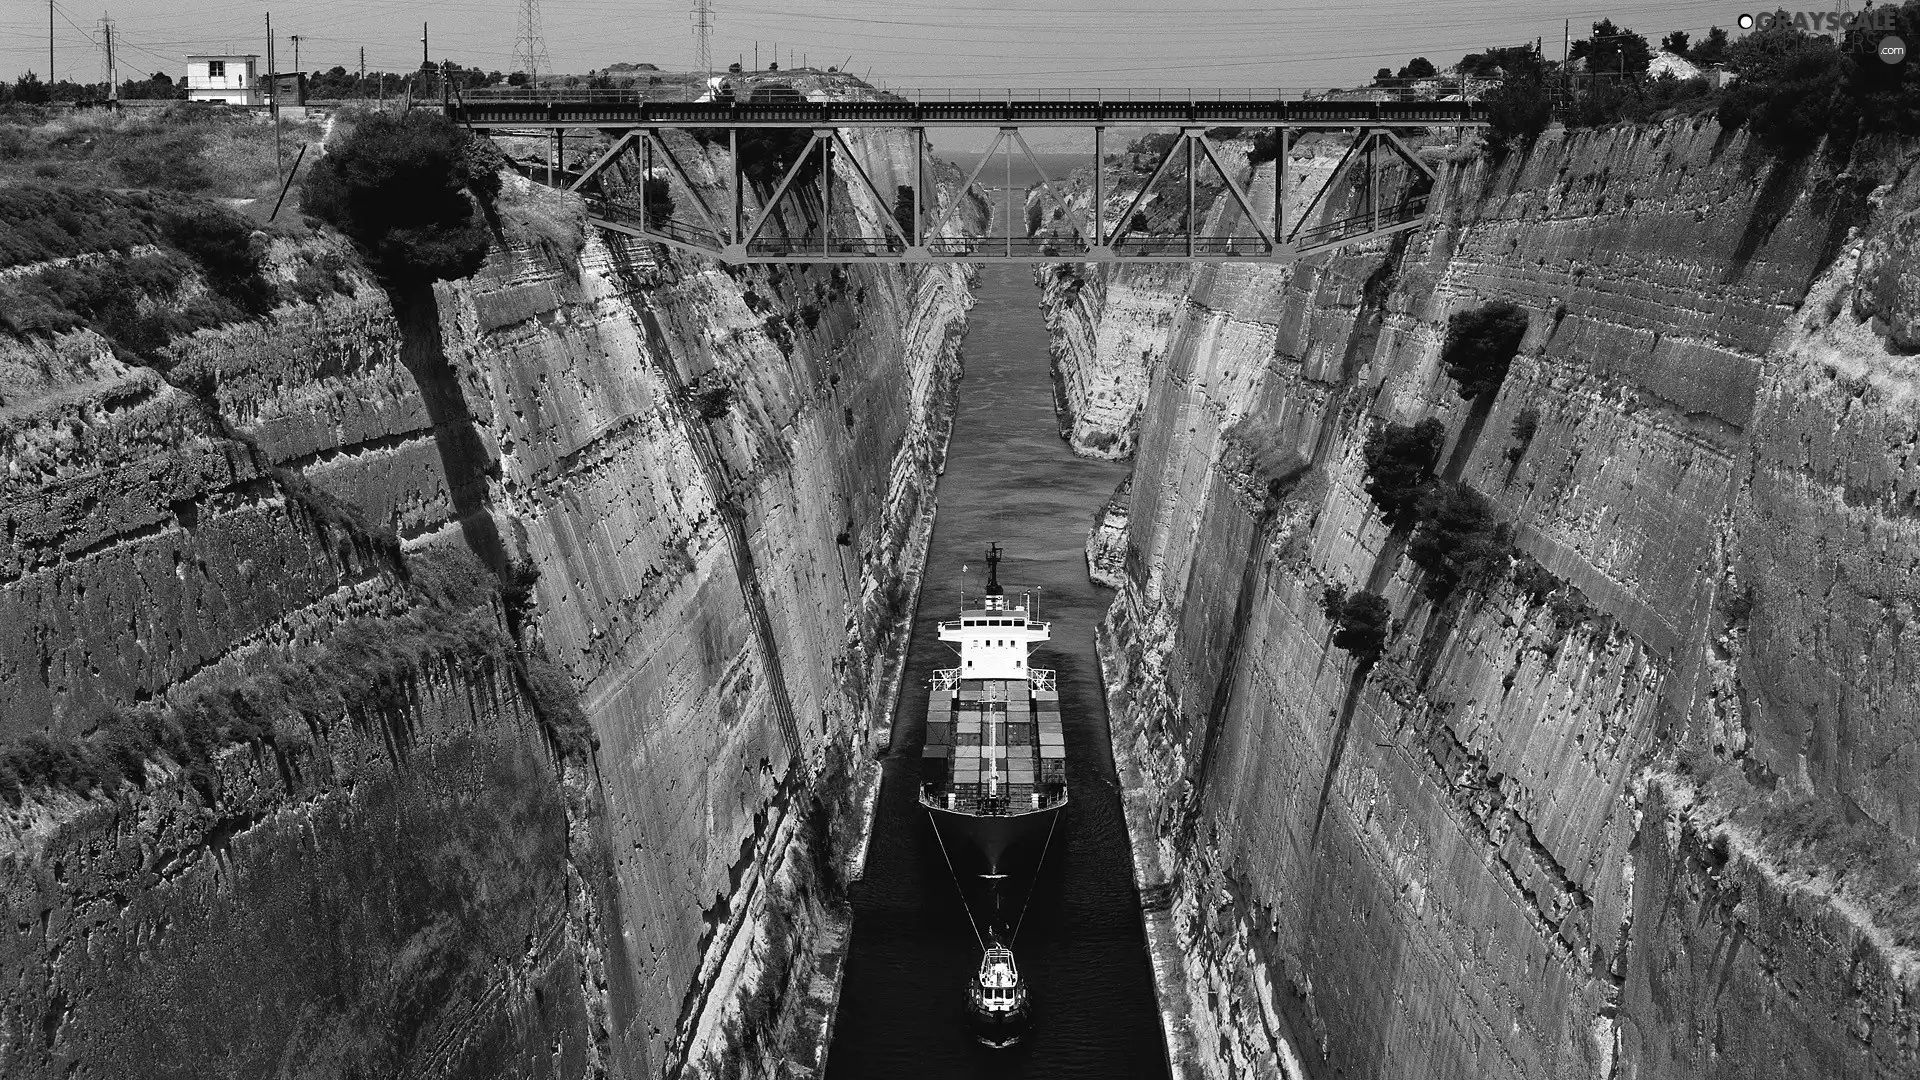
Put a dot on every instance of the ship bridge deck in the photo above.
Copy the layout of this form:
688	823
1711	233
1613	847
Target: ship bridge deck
994	746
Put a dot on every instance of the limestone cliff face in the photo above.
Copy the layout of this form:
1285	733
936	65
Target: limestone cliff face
1644	812
404	859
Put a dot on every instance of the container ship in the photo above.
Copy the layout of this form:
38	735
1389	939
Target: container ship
994	769
994	779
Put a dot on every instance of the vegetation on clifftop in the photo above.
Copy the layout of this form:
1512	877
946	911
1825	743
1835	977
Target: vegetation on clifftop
1789	87
405	189
139	269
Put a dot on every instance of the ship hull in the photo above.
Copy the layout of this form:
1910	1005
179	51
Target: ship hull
992	845
1000	1029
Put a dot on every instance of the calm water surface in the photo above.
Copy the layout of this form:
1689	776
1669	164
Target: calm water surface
1011	480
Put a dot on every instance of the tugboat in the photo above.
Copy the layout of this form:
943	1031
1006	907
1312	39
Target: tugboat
994	770
997	1001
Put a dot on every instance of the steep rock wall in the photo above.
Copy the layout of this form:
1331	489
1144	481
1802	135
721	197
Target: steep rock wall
420	874
1460	862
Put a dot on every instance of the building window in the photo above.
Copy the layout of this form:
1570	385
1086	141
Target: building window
216	69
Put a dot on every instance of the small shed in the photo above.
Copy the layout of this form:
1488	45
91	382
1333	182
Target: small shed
288	88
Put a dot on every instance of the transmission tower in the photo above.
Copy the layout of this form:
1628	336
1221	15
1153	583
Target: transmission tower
703	36
530	47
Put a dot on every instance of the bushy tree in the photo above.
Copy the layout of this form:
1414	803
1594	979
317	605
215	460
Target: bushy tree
158	86
1418	68
1889	94
1361	622
1613	49
1791	90
1480	345
404	189
1458	541
29	90
1713	49
1400	461
1519	109
1505	60
1675	43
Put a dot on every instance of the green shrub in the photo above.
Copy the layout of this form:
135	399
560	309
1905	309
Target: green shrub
175	161
1525	423
404	188
1459	541
1400	460
1480	345
713	402
1361	627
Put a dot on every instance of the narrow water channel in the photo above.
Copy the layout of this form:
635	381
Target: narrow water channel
1011	480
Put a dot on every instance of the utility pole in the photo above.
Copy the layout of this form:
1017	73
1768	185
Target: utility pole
273	100
113	71
49	48
296	51
363	63
424	60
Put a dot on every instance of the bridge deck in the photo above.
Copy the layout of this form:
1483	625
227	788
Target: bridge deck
628	114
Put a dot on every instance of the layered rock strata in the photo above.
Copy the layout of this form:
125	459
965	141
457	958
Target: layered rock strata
688	505
1639	804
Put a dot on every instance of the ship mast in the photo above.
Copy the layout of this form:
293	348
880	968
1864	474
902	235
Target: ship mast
993	571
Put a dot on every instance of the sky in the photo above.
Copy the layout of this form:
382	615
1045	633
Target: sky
900	43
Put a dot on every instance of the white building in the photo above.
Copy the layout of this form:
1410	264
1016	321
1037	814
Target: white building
232	79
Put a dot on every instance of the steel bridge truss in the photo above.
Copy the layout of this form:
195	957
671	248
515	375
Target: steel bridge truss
737	232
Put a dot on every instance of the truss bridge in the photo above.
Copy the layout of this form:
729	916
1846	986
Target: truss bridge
740	221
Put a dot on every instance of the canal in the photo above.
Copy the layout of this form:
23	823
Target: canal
1011	480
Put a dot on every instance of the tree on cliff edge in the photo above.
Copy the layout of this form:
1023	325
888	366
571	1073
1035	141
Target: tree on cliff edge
404	189
1520	108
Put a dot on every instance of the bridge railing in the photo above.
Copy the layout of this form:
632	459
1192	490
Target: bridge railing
1110	95
1400	213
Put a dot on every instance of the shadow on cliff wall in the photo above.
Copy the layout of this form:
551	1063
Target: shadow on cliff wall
464	458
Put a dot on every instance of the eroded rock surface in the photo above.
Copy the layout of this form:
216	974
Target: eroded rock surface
1643	805
423	870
